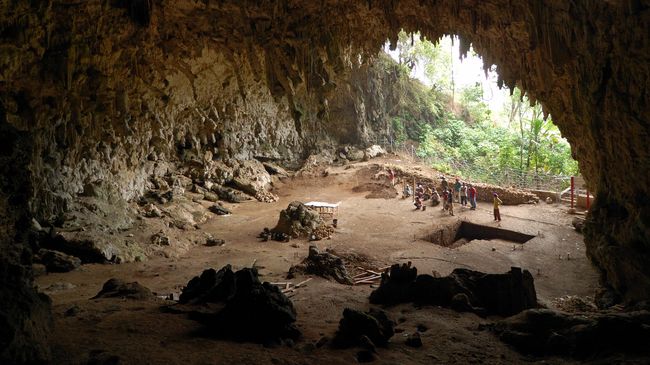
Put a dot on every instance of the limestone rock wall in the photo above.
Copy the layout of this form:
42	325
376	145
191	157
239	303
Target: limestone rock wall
117	90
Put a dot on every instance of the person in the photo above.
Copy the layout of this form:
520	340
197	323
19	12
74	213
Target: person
407	191
445	196
497	203
463	195
427	193
419	190
435	198
457	190
391	176
472	197
444	184
450	203
418	202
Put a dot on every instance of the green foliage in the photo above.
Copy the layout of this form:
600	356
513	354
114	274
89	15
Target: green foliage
462	138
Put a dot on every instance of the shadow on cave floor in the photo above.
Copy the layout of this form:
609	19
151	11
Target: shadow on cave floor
386	230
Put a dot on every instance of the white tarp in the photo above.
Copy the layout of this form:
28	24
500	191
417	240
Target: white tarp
322	204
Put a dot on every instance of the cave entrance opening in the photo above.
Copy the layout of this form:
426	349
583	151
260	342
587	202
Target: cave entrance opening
456	115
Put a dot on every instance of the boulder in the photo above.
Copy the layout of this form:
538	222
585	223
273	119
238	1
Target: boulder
152	211
578	223
374	151
251	177
219	209
116	288
356	326
274	169
211	241
230	195
56	261
160	239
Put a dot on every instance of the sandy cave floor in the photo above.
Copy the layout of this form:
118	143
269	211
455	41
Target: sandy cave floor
386	230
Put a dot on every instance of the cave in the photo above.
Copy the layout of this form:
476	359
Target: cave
99	98
462	232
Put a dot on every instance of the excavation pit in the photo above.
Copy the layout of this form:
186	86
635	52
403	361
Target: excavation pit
461	233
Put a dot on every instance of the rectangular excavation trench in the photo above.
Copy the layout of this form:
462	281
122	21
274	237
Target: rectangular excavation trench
462	232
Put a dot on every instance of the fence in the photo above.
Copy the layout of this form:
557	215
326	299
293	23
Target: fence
521	179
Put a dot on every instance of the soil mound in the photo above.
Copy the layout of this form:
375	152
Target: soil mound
298	220
376	190
463	290
323	264
236	305
116	288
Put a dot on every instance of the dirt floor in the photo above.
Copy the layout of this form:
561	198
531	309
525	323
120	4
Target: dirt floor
387	231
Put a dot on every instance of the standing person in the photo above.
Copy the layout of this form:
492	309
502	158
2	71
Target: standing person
444	184
497	203
450	203
457	186
463	195
445	196
472	197
391	176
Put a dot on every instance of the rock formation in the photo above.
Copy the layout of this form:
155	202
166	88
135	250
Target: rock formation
119	91
463	290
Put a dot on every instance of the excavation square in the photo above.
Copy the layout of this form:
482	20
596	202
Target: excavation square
462	232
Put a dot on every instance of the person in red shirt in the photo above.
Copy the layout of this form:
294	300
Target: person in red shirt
472	196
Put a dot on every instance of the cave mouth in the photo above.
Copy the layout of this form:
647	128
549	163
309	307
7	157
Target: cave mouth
462	233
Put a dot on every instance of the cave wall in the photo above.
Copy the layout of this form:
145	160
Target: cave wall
117	89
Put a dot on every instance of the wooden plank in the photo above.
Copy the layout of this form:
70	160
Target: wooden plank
302	283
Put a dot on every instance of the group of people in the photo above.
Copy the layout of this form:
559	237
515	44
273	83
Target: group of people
458	192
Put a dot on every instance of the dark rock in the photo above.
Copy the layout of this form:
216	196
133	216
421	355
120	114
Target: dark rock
546	332
160	239
248	310
72	311
211	287
460	303
421	328
395	287
211	241
229	195
274	169
366	356
414	340
39	270
219	209
323	264
464	290
56	261
578	223
375	325
606	297
101	357
211	197
116	288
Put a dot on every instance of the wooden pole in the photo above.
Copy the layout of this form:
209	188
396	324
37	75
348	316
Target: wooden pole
572	189
413	188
